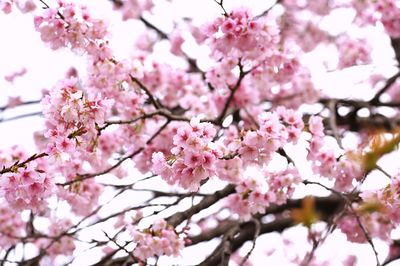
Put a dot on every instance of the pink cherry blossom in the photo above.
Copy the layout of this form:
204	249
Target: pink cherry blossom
159	239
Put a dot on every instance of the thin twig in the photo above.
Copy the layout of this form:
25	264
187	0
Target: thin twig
233	90
2	120
349	204
221	4
156	104
332	121
46	6
383	171
256	234
388	84
267	10
82	177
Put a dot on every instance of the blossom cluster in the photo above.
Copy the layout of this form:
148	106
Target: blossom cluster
230	169
320	8
324	162
353	52
113	80
162	144
192	158
303	32
82	196
241	35
58	244
11	226
276	129
160	239
6	6
28	186
254	194
378	213
23	5
389	11
383	11
70	26
12	76
157	119
173	86
282	79
133	9
251	197
72	119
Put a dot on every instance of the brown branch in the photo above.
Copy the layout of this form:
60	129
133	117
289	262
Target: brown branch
358	103
160	112
225	245
247	232
107	260
366	235
327	206
332	106
46	6
392	257
179	217
219	230
348	203
105	219
192	63
18	164
131	121
233	89
112	239
159	193
388	84
268	9
356	124
256	234
150	25
395	42
156	104
221	4
7	253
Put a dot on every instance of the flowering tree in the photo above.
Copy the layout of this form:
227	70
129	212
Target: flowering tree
222	138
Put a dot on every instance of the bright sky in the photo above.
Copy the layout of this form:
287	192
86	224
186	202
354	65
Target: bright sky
21	47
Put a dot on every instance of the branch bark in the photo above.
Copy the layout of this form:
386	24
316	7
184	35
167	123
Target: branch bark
179	217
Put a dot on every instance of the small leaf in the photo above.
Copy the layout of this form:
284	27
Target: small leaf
307	214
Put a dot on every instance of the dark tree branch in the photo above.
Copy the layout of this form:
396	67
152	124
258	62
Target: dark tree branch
395	42
18	164
327	206
150	25
358	103
179	217
148	93
221	4
247	232
192	63
388	84
233	90
268	9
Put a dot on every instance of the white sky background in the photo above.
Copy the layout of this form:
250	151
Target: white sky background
20	46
